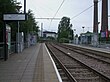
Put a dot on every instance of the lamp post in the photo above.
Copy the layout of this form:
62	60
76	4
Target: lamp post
18	42
25	6
74	31
98	25
18	9
74	35
41	29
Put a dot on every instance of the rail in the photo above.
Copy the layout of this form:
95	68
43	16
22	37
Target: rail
98	73
72	79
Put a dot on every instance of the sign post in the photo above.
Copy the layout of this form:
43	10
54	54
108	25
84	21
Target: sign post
10	17
5	43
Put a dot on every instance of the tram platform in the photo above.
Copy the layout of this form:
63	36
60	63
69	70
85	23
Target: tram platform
34	64
106	50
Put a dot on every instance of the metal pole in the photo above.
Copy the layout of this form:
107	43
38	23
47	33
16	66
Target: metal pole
41	29
18	38
95	24
5	43
104	23
25	6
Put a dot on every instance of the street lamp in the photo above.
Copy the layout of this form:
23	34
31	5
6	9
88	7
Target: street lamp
83	29
74	31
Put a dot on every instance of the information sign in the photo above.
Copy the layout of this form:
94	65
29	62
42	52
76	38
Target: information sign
14	17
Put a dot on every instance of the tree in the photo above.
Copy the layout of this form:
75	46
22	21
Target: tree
30	25
65	32
6	6
10	6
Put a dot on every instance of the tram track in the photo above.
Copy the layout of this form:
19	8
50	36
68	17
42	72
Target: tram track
89	53
97	60
65	74
95	53
78	69
97	64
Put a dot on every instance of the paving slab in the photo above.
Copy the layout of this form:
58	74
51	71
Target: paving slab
45	71
32	65
19	67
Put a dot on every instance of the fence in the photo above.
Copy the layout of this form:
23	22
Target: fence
12	49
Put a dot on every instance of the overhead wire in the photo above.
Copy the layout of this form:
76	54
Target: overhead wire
59	8
56	12
83	11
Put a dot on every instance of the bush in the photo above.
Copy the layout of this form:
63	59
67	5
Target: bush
64	40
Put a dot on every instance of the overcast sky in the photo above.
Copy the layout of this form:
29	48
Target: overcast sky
70	8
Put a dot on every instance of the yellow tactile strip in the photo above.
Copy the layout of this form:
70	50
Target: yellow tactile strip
39	68
44	69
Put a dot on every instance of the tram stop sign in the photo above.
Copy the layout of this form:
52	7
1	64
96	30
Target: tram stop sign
14	17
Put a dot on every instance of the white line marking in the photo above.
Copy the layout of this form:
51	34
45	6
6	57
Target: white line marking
58	75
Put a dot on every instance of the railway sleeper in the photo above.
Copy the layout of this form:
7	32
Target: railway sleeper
84	75
64	79
73	67
91	79
62	74
79	70
90	74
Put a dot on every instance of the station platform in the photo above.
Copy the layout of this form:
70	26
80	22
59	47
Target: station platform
34	64
106	50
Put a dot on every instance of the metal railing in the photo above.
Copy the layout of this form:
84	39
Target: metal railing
13	48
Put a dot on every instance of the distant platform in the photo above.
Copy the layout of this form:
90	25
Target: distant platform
107	50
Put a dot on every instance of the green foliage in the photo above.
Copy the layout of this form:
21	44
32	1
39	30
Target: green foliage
65	32
6	6
28	26
50	38
64	40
